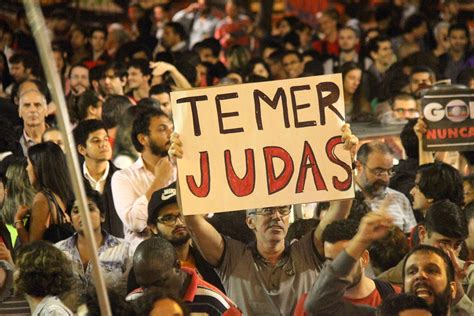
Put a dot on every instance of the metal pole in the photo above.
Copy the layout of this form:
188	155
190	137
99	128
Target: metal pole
40	33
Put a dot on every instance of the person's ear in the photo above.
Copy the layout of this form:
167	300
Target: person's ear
365	259
154	229
454	289
358	166
250	220
142	139
422	233
82	150
102	217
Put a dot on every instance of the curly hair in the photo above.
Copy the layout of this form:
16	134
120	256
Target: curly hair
43	270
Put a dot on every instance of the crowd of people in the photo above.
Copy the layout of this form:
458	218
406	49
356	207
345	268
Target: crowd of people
403	246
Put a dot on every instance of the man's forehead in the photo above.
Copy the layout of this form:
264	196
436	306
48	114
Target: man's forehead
424	258
379	157
31	96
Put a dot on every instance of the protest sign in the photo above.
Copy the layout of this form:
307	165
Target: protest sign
262	144
448	111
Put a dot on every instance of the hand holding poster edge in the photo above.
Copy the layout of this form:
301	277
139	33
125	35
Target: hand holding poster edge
328	127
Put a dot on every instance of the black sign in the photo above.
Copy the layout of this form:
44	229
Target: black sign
448	111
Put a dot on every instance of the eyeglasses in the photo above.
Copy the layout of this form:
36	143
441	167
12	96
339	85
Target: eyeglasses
378	172
170	219
270	211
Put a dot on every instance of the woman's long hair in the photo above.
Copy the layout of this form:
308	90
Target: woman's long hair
19	190
49	165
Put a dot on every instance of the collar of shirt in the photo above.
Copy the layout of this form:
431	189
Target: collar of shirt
71	244
284	258
91	179
28	140
178	47
193	284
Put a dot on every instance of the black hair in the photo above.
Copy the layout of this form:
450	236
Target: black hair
98	29
291	52
148	254
387	252
159	89
145	303
149	102
301	227
91	195
26	58
422	69
446	218
439	181
210	43
141	64
341	230
410	140
141	125
113	109
359	207
84	128
373	45
414	21
50	167
292	38
394	304
469	211
374	146
85	100
119	69
430	249
233	224
78	65
178	28
458	27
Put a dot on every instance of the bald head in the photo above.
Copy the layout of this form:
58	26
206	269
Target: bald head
33	108
156	264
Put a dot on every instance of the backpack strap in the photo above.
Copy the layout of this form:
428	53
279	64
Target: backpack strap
384	288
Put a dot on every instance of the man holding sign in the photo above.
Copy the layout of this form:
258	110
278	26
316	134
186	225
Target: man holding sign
267	276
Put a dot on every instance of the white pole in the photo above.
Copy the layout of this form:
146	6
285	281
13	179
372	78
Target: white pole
40	33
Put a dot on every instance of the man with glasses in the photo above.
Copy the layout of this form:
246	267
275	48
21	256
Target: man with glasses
404	107
374	169
267	276
132	187
165	220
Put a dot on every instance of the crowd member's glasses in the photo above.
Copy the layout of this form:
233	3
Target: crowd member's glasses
270	211
378	172
169	220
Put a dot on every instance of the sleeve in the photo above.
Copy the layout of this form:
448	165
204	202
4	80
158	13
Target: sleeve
7	286
470	282
326	295
131	209
234	252
307	250
410	220
464	307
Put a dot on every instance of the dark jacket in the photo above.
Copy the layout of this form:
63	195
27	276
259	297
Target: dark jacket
113	225
403	179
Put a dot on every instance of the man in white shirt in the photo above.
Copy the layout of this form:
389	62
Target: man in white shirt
132	187
92	141
374	169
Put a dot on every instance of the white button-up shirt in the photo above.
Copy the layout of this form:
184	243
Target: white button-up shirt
129	187
98	185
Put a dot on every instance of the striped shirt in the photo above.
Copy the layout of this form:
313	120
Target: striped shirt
201	297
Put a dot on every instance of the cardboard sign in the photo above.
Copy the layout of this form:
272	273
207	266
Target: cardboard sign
449	114
262	144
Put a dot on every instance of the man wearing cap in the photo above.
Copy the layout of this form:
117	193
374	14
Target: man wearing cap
165	220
